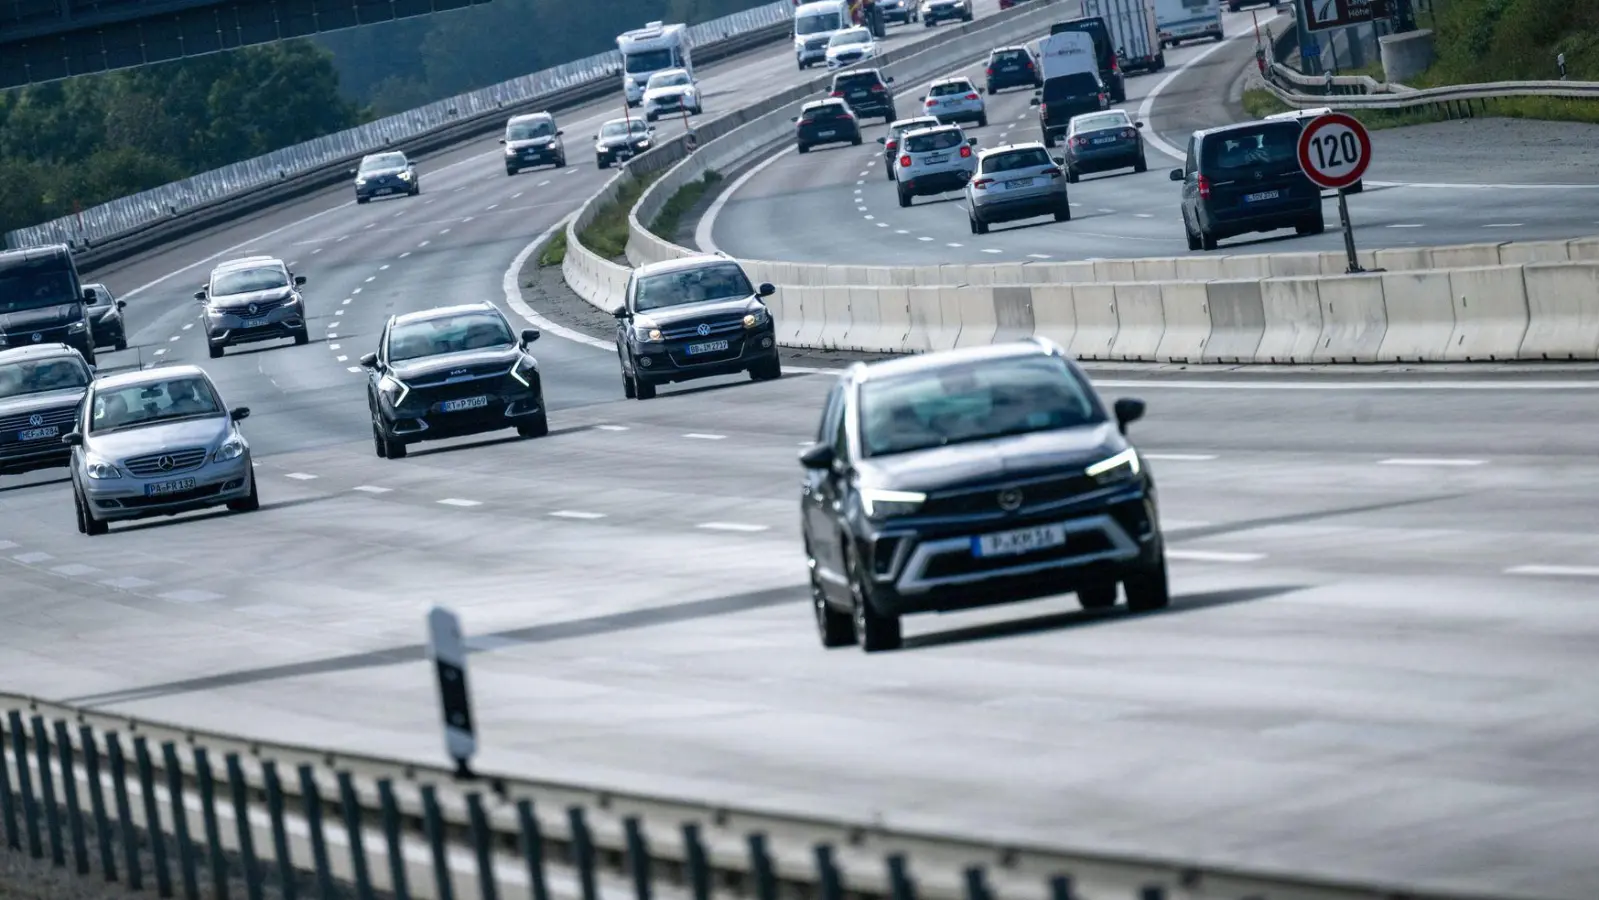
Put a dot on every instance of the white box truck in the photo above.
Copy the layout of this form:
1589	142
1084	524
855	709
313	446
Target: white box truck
654	48
1132	31
1187	20
814	25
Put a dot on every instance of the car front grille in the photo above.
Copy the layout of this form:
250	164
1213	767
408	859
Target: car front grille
472	374
262	307
178	461
1034	494
713	329
61	417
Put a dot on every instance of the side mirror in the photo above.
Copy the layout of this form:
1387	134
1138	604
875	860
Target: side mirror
88	296
793	118
200	295
922	99
502	140
72	439
1138	124
299	281
817	456
1128	411
239	414
766	289
529	335
971	142
1059	160
370	361
1176	175
889	79
619	312
559	132
1033	102
351	171
883	141
122	304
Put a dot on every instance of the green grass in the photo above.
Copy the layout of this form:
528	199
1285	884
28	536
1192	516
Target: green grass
554	253
1260	103
607	234
671	215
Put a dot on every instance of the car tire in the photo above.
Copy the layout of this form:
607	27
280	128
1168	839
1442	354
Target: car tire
978	225
835	628
380	446
1207	241
77	510
1217	37
803	148
650	117
989	90
1049	139
1101	595
856	140
982	121
1142	165
768	370
601	163
121	344
1193	240
874	631
888	169
416	190
251	502
511	171
904	198
216	352
643	389
361	199
1149	589
1072	177
91	526
538	428
560	162
302	338
1063	213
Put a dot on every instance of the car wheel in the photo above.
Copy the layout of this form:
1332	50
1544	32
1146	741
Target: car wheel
1193	240
91	526
904	197
988	89
1317	225
601	163
875	632
216	352
1148	590
302	338
649	117
644	389
888	169
509	171
770	370
856	140
77	511
835	628
982	121
121	344
803	148
251	502
361	199
1207	241
1072	176
379	445
416	190
1063	213
1049	139
538	428
1097	596
560	162
1142	165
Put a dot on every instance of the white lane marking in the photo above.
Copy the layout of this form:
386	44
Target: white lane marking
857	190
954	244
1147	107
1556	571
516	195
880	224
190	596
31	558
455	501
371	489
355	369
1142	216
493	206
543	183
734	526
901	231
862	181
301	476
342	359
344	237
369	225
313	253
73	570
1396	385
333	346
405	254
924	238
869	218
173	338
347	301
1406	225
188	326
611	427
338	312
992	250
1504	225
8	545
445	231
466	219
576	514
234	249
127	583
161	352
355	290
424	243
383	267
1183	457
1398	461
1213	556
705	437
1038	256
513	295
1104	210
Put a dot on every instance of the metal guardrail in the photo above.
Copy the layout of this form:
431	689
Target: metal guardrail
1354	92
135	802
109	221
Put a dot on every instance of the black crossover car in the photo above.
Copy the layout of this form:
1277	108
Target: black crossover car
533	140
825	122
692	318
1239	179
620	140
452	372
866	92
1010	67
972	477
41	388
383	174
105	317
42	300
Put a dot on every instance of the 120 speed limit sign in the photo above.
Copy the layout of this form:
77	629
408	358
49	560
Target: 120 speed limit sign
1334	150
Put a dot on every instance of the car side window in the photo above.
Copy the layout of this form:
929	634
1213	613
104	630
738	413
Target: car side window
1192	162
840	433
824	429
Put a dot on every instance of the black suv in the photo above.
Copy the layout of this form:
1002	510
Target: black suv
1065	96
1010	67
825	122
42	300
1245	178
41	388
382	174
972	477
692	318
452	372
866	91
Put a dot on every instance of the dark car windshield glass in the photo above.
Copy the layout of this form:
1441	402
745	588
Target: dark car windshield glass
723	281
150	403
1101	121
245	281
1009	56
973	402
648	61
1255	147
825	109
1075	85
619	128
817	24
37	376
34	288
856	80
383	161
448	334
522	131
950	88
938	140
1011	160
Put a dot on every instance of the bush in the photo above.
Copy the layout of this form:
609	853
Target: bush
606	236
687	197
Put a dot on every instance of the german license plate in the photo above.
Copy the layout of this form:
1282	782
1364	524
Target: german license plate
1263	195
934	160
385	190
161	488
711	347
1020	183
826	133
1022	540
254	323
463	403
39	434
1105	140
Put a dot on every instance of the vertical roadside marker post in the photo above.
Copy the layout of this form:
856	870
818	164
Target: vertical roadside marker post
1334	152
448	650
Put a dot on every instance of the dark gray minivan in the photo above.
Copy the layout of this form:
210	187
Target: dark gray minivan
1245	178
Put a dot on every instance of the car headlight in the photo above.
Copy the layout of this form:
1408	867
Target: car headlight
360	182
648	334
2	339
101	470
1121	467
757	318
77	326
525	371
881	504
644	144
509	151
232	448
405	176
394	388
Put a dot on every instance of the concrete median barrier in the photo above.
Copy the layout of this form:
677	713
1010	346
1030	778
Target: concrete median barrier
1522	252
1251	266
1464	256
1140	321
1095	308
1291	309
1013	312
1185	307
1562	311
836	320
1155	270
1584	249
1237	321
1354	318
894	319
1115	270
1294	265
1054	313
948	335
1420	310
1490	313
979	324
865	321
927	320
812	317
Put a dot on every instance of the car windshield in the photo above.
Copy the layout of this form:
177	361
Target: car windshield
818	23
149	403
648	61
973	402
850	37
245	281
523	131
938	140
1075	85
34	287
36	376
1248	149
950	88
673	79
823	110
1011	56
102	295
901	127
623	126
448	334
383	161
721	281
1010	160
1100	122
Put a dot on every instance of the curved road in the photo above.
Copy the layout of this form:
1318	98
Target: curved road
1431	188
1360	675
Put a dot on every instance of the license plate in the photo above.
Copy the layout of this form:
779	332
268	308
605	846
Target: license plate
1020	182
934	160
385	190
1105	140
826	133
712	347
1263	195
39	434
168	487
254	323
1022	540
464	403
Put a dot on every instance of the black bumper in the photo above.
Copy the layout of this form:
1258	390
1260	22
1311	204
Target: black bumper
539	158
386	190
662	363
936	183
1000	81
1282	217
842	134
1106	161
1020	209
419	421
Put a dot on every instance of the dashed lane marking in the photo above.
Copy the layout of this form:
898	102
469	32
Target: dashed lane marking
28	559
424	243
333	346
954	244
355	290
371	278
342	359
732	526
924	238
173	338
301	476
1406	225
190	596
992	250
1555	571
1213	556
371	489
611	427
188	325
383	267
456	501
576	514
1038	256
705	437
127	582
405	254
73	570
316	251
355	369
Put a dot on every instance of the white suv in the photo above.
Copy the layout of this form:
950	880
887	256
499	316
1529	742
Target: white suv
933	161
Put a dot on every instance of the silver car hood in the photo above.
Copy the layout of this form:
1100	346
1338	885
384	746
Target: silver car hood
181	435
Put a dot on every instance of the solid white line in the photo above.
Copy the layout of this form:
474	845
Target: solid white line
1504	225
1397	385
577	514
1556	571
1213	556
371	489
34	557
452	501
731	526
1192	457
1407	225
1432	462
301	476
513	296
1146	109
189	596
707	224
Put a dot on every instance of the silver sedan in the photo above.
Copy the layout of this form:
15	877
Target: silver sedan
157	442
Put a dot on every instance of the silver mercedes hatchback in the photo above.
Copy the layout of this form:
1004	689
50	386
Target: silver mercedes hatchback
157	442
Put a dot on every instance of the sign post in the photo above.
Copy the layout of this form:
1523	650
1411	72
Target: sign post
1334	152
448	650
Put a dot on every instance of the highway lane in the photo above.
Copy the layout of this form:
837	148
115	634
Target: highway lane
837	205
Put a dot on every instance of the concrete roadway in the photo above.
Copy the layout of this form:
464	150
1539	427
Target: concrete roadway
1429	188
1361	674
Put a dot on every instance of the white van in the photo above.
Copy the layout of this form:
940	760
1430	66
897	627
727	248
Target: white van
1187	20
814	25
656	47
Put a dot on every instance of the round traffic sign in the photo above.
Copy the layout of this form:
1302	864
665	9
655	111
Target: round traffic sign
1334	150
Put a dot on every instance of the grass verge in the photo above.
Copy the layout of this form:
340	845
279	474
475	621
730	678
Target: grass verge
671	216
1259	102
607	234
554	253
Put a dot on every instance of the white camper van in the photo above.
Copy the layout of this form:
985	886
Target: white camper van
814	25
1187	20
654	48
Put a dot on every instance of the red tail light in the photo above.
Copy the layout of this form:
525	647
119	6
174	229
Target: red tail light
931	103
1204	188
905	161
1054	172
836	94
1079	142
892	146
1104	99
1116	66
990	71
972	96
966	152
878	89
982	183
1029	67
807	121
1043	110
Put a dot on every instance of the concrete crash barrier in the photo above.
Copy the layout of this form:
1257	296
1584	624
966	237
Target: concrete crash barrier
1562	311
1420	310
1491	313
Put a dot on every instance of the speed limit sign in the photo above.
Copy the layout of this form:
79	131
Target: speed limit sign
1334	150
